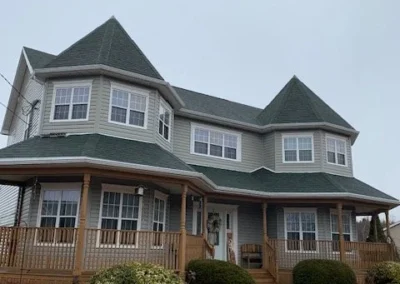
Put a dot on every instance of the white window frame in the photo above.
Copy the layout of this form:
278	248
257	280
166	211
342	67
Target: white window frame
130	90
119	189
57	187
70	84
336	152
297	136
301	210
164	197
344	212
164	105
220	130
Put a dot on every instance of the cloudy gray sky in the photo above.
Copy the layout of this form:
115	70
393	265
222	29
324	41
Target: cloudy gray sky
348	52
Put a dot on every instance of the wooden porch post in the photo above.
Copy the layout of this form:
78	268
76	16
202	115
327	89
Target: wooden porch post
265	236
80	238
205	217
375	216
340	228
182	248
387	223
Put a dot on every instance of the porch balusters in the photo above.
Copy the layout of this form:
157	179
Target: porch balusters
80	242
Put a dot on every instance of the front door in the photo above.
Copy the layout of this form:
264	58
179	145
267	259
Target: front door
219	238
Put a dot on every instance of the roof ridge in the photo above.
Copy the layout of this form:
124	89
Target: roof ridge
338	185
90	138
282	102
313	106
111	40
37	50
137	48
215	97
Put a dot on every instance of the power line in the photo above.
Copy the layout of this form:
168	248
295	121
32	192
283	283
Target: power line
12	86
14	113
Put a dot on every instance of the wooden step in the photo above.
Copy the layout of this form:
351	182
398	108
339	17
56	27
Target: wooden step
261	276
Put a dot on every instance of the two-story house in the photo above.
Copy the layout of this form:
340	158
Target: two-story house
110	163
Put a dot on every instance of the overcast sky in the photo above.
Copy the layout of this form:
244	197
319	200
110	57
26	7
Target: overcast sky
348	52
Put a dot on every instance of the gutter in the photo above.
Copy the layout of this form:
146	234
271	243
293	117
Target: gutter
211	186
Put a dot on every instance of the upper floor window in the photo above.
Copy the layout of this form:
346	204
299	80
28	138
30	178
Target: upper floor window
71	101
164	122
336	151
297	148
128	106
215	143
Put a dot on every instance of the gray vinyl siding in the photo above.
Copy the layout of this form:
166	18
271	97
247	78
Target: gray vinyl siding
70	126
252	144
126	131
8	204
175	214
337	169
315	166
269	150
31	90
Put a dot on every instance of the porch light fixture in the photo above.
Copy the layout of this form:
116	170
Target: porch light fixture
139	190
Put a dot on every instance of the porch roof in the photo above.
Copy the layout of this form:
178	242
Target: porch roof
95	146
270	182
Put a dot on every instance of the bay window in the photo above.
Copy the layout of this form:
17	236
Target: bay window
58	212
336	151
128	106
119	219
297	148
71	101
301	233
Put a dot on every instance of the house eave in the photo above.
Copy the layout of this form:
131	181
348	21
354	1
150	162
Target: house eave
100	69
198	178
353	134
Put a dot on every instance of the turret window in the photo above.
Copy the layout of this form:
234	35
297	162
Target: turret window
297	148
336	151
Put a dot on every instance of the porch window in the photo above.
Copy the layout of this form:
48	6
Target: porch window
300	231
159	217
335	229
59	209
297	149
119	218
164	122
215	143
336	151
71	101
128	107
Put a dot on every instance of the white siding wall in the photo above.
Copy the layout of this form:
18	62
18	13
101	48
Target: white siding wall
252	145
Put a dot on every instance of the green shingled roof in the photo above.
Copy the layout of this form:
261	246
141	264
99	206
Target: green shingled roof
109	44
38	59
95	146
270	182
296	103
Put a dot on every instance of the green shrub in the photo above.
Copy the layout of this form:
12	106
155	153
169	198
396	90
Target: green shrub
384	273
135	273
211	271
321	271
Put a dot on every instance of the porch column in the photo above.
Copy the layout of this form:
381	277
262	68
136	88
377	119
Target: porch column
265	236
340	228
205	217
387	223
182	248
80	238
375	216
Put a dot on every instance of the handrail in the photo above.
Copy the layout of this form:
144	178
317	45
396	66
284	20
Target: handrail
209	248
271	264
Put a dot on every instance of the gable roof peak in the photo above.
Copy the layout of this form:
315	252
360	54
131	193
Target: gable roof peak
296	103
109	44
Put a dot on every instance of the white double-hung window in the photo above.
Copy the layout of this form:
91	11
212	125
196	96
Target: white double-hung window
346	226
159	212
164	122
59	206
128	106
216	143
120	216
336	151
71	101
298	148
301	229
